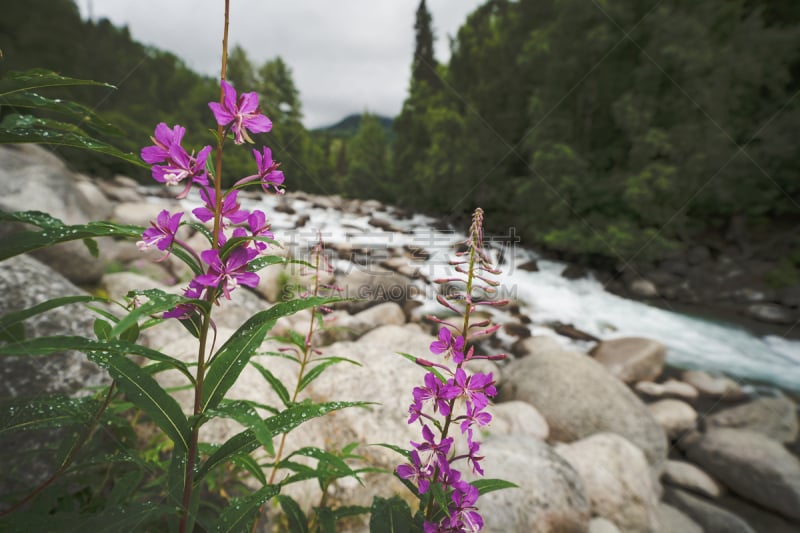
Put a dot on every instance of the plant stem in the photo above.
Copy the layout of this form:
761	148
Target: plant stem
210	295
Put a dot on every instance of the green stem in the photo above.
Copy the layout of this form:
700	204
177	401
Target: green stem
191	458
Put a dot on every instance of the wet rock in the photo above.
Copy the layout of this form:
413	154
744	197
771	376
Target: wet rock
616	478
579	398
774	417
771	313
675	416
707	515
373	285
671	520
515	329
385	225
631	359
571	332
574	272
643	288
689	477
752	465
716	386
529	266
671	388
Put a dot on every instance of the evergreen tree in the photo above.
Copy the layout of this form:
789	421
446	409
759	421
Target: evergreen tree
423	67
368	161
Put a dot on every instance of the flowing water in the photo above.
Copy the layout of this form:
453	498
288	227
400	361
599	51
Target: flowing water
545	296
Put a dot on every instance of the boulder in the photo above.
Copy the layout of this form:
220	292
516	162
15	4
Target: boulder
550	497
751	464
535	344
671	388
675	416
518	418
688	477
371	285
601	525
631	359
579	398
708	516
716	386
341	326
643	288
617	480
25	282
771	313
671	520
141	213
774	417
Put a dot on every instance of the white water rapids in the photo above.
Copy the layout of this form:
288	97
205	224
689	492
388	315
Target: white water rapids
545	296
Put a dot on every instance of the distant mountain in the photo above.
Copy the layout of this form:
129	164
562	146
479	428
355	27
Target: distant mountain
348	126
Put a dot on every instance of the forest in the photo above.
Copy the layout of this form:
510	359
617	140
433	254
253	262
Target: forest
633	129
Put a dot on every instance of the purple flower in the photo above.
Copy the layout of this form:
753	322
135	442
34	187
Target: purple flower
451	345
416	472
183	311
231	209
436	391
473	458
244	113
162	233
229	273
474	388
268	173
259	227
463	513
438	449
163	140
181	166
475	415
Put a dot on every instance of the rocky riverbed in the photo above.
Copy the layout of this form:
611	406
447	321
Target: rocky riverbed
599	434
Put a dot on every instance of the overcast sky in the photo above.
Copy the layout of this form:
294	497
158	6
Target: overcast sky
347	56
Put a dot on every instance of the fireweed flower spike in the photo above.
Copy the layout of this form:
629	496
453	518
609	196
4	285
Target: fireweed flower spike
268	173
229	273
242	114
458	398
163	139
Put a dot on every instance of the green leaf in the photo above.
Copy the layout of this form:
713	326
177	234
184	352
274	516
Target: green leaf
26	241
157	301
233	356
17	81
241	443
486	486
36	218
257	264
283	422
243	412
274	382
77	113
340	466
294	515
11	327
131	334
246	462
315	372
146	394
102	329
432	369
46	412
390	515
48	345
326	522
241	511
91	245
17	129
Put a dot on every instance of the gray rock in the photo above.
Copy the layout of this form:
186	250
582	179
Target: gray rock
617	480
771	313
671	520
550	497
752	465
601	525
518	418
631	359
372	285
716	386
711	518
675	416
579	398
341	326
643	288
671	388
687	476
25	282
774	417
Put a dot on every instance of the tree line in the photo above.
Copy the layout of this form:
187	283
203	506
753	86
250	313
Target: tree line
624	130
